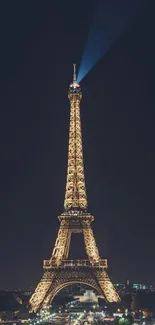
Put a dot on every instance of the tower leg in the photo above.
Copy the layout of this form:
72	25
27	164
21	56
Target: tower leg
107	287
90	244
61	249
41	291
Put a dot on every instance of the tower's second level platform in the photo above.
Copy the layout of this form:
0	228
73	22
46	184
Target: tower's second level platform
74	264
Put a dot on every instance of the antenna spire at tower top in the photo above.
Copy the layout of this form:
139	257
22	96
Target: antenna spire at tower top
74	72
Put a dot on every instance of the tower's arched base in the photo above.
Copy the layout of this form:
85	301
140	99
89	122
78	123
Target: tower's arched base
55	280
66	278
67	284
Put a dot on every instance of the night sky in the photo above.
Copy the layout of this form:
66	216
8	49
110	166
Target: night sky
39	41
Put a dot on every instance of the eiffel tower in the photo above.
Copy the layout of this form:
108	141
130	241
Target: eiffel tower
59	271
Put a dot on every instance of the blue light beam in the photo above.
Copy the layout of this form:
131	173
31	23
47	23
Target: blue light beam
110	20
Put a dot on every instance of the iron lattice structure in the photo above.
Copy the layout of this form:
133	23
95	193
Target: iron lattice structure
75	196
59	271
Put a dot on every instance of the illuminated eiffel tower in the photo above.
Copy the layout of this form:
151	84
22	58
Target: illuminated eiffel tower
59	271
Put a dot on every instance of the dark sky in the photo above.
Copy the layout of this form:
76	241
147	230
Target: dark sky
39	41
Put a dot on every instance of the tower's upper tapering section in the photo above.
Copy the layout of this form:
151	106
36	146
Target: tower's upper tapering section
75	195
74	88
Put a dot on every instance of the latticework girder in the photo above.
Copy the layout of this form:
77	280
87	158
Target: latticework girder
62	243
90	244
41	291
107	287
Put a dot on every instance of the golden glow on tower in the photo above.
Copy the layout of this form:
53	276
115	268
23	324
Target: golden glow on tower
59	271
75	195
